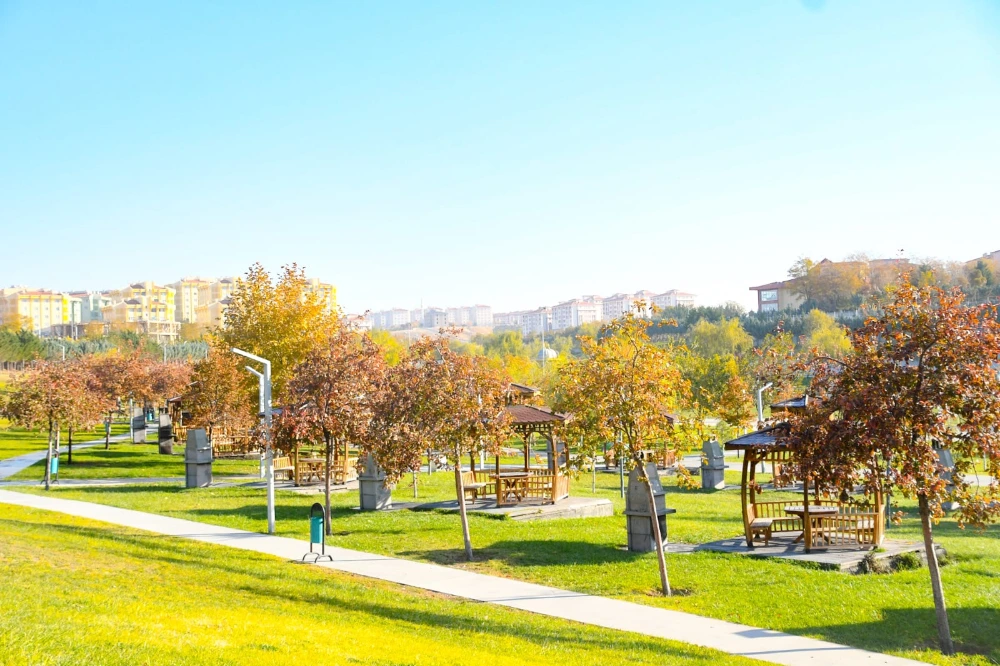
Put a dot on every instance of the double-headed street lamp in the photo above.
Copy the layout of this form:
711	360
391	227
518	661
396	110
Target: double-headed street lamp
264	393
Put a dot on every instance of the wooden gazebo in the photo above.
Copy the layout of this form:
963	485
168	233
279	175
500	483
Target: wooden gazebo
822	520
547	483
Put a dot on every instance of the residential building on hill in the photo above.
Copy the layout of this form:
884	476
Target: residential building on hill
674	298
577	311
775	296
536	321
42	311
187	292
91	304
145	307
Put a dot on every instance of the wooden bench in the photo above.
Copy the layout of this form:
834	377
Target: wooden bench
472	486
283	465
759	526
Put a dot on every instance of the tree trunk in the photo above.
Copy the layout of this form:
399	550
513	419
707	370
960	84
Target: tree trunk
326	486
944	631
460	490
48	460
107	433
69	455
657	537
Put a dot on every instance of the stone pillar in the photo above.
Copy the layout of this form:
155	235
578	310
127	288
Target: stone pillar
375	495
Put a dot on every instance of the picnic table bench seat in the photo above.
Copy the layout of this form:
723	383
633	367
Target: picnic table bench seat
283	465
473	488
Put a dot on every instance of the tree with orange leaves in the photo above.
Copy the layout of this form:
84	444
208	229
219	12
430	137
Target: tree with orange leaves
921	374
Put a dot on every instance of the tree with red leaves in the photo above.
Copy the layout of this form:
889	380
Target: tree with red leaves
50	395
329	394
921	374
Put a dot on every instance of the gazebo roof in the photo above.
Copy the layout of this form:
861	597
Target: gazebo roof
800	402
531	415
765	438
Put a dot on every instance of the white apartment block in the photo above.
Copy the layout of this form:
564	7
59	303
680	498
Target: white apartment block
458	316
616	305
674	298
91	304
481	315
536	321
508	319
576	312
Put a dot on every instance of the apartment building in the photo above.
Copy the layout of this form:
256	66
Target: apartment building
211	314
434	318
146	307
616	305
508	319
673	298
536	321
187	293
577	311
40	310
458	316
91	304
326	293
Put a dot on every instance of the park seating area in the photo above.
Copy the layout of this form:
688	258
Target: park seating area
816	520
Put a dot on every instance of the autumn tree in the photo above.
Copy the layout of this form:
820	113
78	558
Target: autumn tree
629	385
48	396
280	320
331	393
448	400
217	392
823	333
165	380
922	374
116	377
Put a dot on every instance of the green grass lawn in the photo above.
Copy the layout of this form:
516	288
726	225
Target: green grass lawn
891	613
18	441
124	460
111	595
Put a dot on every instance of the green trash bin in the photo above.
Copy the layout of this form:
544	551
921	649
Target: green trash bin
317	533
315	530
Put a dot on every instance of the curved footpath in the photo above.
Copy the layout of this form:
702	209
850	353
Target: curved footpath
764	644
12	466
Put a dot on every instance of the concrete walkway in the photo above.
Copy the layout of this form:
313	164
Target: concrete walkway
736	639
12	466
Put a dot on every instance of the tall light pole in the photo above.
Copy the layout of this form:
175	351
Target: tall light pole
265	407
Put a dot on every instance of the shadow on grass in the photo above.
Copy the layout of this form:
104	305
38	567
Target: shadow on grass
340	593
974	631
521	553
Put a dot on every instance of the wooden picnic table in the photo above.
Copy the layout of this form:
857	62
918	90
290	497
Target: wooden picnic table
311	468
816	515
512	484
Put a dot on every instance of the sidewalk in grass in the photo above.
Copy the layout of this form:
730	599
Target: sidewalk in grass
12	466
736	639
217	482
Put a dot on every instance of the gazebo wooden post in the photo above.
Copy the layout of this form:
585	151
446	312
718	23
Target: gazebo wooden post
295	471
526	437
743	499
806	521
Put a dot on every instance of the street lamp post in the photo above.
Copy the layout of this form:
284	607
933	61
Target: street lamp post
264	393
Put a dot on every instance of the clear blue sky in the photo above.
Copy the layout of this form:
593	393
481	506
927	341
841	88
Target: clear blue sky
509	153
